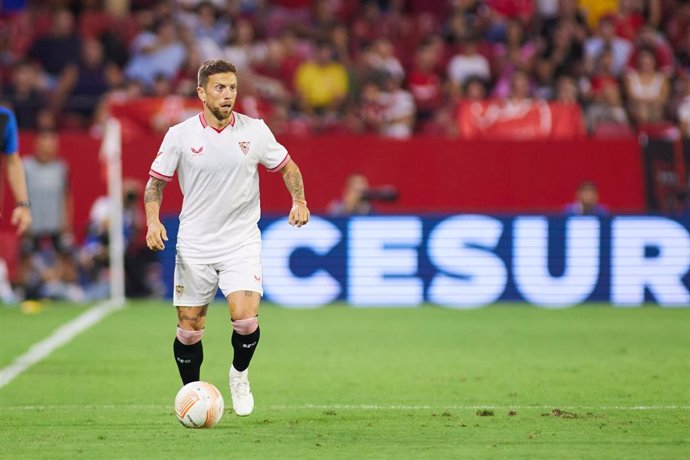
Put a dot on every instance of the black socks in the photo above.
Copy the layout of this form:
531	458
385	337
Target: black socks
244	346
188	359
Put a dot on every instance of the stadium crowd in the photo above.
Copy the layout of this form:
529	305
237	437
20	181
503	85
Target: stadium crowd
391	67
394	68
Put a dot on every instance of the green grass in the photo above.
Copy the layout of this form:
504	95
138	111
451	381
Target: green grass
336	382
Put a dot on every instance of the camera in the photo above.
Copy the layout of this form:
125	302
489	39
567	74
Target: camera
386	193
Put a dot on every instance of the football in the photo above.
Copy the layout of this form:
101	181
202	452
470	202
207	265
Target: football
199	405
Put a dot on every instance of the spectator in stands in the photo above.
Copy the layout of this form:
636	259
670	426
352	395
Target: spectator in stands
243	50
209	28
566	90
25	95
565	51
647	89
284	55
156	53
322	83
606	39
47	179
424	83
606	115
83	83
520	87
598	10
468	63
650	39
57	49
398	109
381	58
353	200
475	89
368	114
518	52
586	201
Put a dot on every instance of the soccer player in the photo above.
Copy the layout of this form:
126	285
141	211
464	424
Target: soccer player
216	155
9	148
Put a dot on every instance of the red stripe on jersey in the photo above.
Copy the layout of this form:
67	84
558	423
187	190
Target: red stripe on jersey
204	123
160	176
281	164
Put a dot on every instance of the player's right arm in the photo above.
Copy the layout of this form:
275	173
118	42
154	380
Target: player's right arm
153	197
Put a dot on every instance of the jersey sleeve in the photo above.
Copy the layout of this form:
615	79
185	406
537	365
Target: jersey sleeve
273	156
10	137
165	164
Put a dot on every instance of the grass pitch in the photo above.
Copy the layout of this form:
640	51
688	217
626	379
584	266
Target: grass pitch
500	382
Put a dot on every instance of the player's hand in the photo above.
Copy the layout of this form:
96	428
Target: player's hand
155	236
299	214
21	217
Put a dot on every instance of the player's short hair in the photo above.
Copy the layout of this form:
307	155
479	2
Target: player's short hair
212	67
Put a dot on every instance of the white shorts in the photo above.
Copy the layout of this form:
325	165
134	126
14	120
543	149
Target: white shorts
196	284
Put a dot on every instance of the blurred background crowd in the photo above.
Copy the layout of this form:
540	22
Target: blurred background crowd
390	67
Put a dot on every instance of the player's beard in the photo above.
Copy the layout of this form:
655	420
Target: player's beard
218	112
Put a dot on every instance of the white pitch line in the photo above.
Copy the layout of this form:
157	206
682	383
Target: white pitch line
363	407
61	336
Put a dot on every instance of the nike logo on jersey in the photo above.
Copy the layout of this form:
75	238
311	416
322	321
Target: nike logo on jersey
197	151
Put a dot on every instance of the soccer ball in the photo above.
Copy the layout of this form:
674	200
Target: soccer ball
199	405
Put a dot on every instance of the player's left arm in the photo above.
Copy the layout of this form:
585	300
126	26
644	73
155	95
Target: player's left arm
299	214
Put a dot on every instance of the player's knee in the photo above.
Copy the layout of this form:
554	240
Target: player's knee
189	337
245	326
191	318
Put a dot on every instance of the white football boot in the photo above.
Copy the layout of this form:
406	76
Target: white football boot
242	398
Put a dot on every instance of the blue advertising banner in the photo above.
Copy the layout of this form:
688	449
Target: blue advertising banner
469	261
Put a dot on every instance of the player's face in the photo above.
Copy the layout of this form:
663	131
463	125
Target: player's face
219	94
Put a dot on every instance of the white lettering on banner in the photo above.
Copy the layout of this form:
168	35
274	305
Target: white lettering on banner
467	267
383	261
470	275
531	261
632	270
280	240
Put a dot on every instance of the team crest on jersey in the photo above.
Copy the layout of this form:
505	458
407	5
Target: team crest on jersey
179	289
244	146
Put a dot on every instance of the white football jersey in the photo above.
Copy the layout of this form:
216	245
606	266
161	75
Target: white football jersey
219	178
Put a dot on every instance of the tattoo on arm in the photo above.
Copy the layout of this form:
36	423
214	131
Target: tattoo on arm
154	191
294	184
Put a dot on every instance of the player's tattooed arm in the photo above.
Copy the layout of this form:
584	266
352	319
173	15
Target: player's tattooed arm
293	181
153	197
299	214
154	191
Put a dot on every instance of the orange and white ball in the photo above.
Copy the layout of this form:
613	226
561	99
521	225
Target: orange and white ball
199	405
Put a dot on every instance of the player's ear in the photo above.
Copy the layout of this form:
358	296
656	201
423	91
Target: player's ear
201	93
